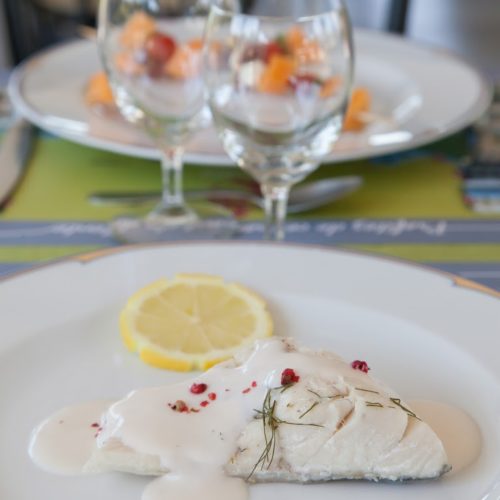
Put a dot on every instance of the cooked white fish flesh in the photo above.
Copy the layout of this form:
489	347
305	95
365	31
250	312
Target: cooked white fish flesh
325	421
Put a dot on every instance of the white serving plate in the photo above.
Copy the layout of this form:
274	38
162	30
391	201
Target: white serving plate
428	335
420	93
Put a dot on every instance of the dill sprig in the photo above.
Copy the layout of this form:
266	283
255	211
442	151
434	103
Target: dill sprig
335	396
366	390
315	393
316	403
397	402
269	427
270	424
374	405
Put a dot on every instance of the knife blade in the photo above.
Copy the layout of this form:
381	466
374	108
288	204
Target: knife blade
15	151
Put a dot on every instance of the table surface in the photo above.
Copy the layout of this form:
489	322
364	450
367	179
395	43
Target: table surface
410	206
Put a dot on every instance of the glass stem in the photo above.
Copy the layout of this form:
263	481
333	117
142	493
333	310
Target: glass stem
275	204
171	173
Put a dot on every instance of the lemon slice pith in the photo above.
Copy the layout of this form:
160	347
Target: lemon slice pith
192	321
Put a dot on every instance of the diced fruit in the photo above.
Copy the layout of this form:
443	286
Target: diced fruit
137	30
195	44
310	52
254	52
277	74
159	47
263	52
185	63
192	321
360	103
271	49
294	38
98	90
330	86
305	50
125	63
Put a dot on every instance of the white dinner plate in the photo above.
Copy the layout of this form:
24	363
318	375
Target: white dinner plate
420	94
427	334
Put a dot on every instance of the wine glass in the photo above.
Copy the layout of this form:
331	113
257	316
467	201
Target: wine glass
151	51
278	79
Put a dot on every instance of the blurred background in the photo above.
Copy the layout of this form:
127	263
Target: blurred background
468	28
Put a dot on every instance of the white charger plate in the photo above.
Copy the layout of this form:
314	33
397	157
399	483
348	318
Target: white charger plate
421	93
427	334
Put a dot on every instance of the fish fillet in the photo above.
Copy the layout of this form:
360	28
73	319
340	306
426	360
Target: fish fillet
334	422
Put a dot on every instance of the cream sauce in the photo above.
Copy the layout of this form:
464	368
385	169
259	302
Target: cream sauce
459	433
63	443
144	422
201	440
196	484
193	446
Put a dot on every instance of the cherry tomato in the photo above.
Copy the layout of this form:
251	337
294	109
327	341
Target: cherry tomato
262	52
160	47
271	49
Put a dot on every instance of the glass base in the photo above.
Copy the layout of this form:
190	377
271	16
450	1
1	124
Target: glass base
198	221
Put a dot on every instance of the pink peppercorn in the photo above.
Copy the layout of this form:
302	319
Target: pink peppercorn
179	406
198	388
360	365
288	376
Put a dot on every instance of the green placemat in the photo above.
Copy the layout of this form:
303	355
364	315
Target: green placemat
61	175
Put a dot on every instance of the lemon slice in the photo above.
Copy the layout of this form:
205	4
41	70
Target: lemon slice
192	321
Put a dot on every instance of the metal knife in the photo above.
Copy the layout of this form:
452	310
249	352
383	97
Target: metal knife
16	147
304	197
